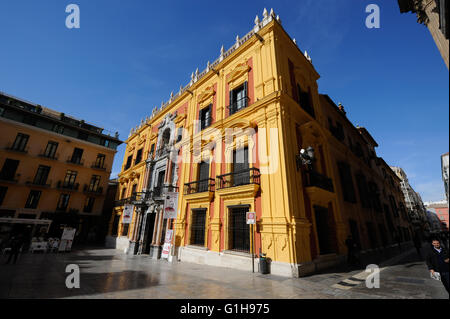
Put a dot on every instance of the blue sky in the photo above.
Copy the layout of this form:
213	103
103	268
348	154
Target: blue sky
129	55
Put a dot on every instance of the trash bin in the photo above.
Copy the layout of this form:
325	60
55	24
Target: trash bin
263	264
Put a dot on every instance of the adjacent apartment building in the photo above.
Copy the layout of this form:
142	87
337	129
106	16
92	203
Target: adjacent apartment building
414	205
252	133
52	167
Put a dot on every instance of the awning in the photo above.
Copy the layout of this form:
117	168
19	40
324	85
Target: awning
25	221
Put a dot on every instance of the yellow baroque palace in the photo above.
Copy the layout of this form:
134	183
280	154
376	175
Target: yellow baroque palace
251	133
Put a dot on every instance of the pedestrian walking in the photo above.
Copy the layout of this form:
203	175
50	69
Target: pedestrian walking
437	261
351	250
16	245
417	244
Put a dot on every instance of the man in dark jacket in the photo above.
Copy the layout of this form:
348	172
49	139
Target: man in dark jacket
437	261
16	245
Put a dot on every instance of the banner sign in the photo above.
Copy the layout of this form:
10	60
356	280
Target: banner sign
167	244
127	214
66	239
170	205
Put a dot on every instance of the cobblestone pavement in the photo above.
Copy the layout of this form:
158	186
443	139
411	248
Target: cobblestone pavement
108	273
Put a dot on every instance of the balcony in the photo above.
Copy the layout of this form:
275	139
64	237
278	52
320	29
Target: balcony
9	179
244	177
75	160
47	156
238	105
92	190
159	191
204	185
39	184
12	148
67	186
98	166
315	179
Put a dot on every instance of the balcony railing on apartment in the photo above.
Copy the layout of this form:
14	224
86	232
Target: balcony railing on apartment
10	179
204	185
39	184
243	177
75	160
48	156
12	147
98	166
93	190
65	185
313	178
238	105
138	198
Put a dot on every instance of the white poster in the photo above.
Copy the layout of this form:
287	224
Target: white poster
68	233
127	214
167	244
170	205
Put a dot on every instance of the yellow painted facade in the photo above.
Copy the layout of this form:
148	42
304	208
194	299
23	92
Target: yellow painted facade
29	164
303	216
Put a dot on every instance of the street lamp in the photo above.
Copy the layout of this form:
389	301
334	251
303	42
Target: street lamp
306	157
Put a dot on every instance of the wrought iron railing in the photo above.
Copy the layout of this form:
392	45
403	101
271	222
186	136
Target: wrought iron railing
243	177
75	160
93	190
65	185
204	185
159	191
238	105
313	178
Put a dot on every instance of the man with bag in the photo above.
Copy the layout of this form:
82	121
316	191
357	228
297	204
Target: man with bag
437	262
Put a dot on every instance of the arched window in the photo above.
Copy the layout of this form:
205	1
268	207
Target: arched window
165	138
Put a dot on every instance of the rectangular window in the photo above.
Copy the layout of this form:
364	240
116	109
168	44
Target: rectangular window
93	185
304	100
205	117
76	156
138	157
241	173
69	180
63	202
100	161
58	128
198	227
152	150
41	175
21	142
203	176
89	204
3	191
33	199
363	190
393	206
9	168
346	182
239	230
238	98
50	150
128	164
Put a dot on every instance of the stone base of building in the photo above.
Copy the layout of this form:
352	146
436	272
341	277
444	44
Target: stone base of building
121	243
155	252
244	261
